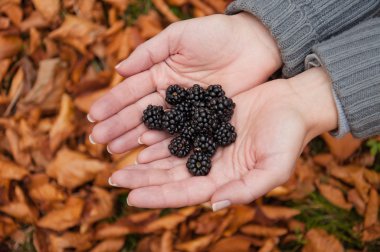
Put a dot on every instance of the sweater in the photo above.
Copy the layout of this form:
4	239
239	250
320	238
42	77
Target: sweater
343	37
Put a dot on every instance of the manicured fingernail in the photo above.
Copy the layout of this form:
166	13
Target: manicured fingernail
111	183
139	141
89	118
118	65
129	204
220	205
91	139
108	150
136	163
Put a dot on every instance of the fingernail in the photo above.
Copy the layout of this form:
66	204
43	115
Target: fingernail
111	183
91	139
136	163
220	205
89	118
139	141
129	204
108	150
118	65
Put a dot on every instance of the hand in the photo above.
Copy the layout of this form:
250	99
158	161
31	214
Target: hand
273	121
235	51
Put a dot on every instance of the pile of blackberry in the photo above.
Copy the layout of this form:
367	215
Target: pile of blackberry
199	119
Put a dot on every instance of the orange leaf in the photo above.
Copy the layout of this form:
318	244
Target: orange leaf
165	10
279	213
236	243
320	241
66	217
197	244
342	148
7	227
241	215
49	9
334	195
371	233
85	101
13	11
257	230
9	170
372	210
268	246
70	240
109	245
42	190
9	46
354	197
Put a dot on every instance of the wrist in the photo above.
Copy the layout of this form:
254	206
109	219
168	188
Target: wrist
314	99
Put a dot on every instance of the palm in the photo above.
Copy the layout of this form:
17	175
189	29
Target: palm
236	52
270	138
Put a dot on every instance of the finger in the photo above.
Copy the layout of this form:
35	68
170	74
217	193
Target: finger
253	185
153	51
136	178
191	191
151	137
127	92
125	120
127	141
166	163
155	152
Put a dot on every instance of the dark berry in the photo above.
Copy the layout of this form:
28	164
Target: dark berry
175	94
188	131
173	121
214	91
223	107
196	94
203	120
225	134
152	117
205	144
186	109
180	146
199	164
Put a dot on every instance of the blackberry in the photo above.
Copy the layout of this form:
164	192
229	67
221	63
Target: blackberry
225	134
173	121
188	131
175	94
152	117
186	109
203	120
196	94
180	146
199	164
223	107
205	144
214	91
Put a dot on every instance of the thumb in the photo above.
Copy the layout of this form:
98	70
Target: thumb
251	186
151	52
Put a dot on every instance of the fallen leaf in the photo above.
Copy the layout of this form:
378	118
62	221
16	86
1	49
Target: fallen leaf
42	190
9	46
72	169
85	101
354	197
7	227
64	125
149	24
35	20
10	170
372	177
278	212
167	241
70	240
278	191
371	233
268	246
165	10
319	240
109	245
342	148
197	244
323	159
13	11
334	195
257	230
372	210
63	218
241	215
236	243
208	222
120	4
202	7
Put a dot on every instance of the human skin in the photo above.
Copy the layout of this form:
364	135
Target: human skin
273	121
235	51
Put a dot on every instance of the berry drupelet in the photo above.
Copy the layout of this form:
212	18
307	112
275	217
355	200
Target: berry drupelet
214	91
196	94
199	164
152	117
180	146
175	94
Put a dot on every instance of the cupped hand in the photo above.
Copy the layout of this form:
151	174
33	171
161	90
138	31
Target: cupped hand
235	51
273	121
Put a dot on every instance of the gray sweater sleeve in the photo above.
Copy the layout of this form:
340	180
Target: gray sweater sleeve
297	25
352	59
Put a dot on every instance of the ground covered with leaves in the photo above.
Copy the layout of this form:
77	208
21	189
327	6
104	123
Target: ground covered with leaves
56	58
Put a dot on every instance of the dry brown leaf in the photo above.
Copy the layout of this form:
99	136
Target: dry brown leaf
354	197
149	24
278	191
69	240
10	170
167	241
165	10
13	11
241	215
237	243
84	8
35	20
42	190
4	65
7	227
4	23
319	240
257	230
295	225
109	245
218	5
64	125
72	169
85	101
99	205
342	148
268	246
35	40
372	210
372	177
278	212
63	218
323	159
120	4
9	46
20	209
202	7
334	195
197	244
77	32
208	222
49	9
371	233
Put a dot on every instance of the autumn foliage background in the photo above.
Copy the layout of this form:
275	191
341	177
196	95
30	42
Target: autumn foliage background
56	58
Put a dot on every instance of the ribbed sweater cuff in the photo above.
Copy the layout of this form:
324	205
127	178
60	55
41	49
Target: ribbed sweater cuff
352	60
297	25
